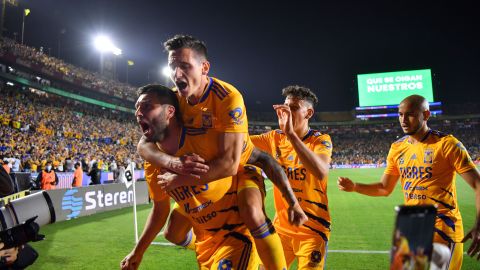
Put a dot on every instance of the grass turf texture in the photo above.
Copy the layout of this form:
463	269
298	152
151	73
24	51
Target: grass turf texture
358	223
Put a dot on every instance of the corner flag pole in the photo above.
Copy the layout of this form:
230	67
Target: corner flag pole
134	202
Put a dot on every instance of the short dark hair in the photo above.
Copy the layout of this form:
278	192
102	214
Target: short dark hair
164	94
300	92
186	41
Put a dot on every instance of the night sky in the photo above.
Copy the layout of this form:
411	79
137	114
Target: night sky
262	46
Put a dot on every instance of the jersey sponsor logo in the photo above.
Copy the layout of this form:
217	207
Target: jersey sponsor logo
236	114
428	156
413	157
295	173
197	209
414	172
415	196
207	120
182	193
290	158
408	186
327	144
297	190
205	218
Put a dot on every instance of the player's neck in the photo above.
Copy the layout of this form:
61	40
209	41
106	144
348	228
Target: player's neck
170	143
302	131
195	98
420	135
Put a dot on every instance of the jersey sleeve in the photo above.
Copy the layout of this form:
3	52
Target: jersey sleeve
458	155
232	116
263	141
392	168
323	145
151	173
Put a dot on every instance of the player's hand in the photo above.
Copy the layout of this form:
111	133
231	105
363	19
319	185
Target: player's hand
296	216
131	261
474	234
345	184
284	115
169	181
190	164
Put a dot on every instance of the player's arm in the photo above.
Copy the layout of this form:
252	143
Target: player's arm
277	175
317	164
383	188
472	177
155	222
230	146
186	165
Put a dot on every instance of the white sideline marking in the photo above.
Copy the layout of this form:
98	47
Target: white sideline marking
359	251
162	244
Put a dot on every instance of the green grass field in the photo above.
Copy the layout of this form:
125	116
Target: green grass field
359	223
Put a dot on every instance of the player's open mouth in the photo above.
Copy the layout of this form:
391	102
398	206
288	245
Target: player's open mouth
181	85
145	128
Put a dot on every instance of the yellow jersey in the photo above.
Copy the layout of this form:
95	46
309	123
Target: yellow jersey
212	208
310	191
220	109
427	173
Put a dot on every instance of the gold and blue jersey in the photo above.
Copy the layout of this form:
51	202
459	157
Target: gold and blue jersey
310	190
427	173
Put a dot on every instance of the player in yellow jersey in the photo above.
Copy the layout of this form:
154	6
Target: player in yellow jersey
215	109
222	238
305	155
426	161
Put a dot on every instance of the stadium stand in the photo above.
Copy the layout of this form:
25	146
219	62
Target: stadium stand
36	126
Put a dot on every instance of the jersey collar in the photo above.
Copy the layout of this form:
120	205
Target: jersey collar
209	87
309	133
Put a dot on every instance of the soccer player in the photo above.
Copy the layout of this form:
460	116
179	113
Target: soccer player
222	238
425	161
305	155
211	106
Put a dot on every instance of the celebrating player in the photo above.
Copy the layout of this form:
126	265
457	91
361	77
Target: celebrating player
426	161
214	115
305	155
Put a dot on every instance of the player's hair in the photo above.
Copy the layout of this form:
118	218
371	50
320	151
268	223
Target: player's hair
186	41
300	92
164	95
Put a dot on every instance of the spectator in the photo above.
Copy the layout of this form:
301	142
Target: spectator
47	179
94	174
77	175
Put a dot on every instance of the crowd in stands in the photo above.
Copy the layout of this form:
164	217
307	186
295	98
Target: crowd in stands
369	143
52	64
36	127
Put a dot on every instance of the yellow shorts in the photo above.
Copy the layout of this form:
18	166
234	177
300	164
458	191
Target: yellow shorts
311	253
236	251
250	176
456	249
456	260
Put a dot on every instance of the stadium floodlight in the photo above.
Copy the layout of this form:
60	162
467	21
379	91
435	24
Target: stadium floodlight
104	44
166	71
